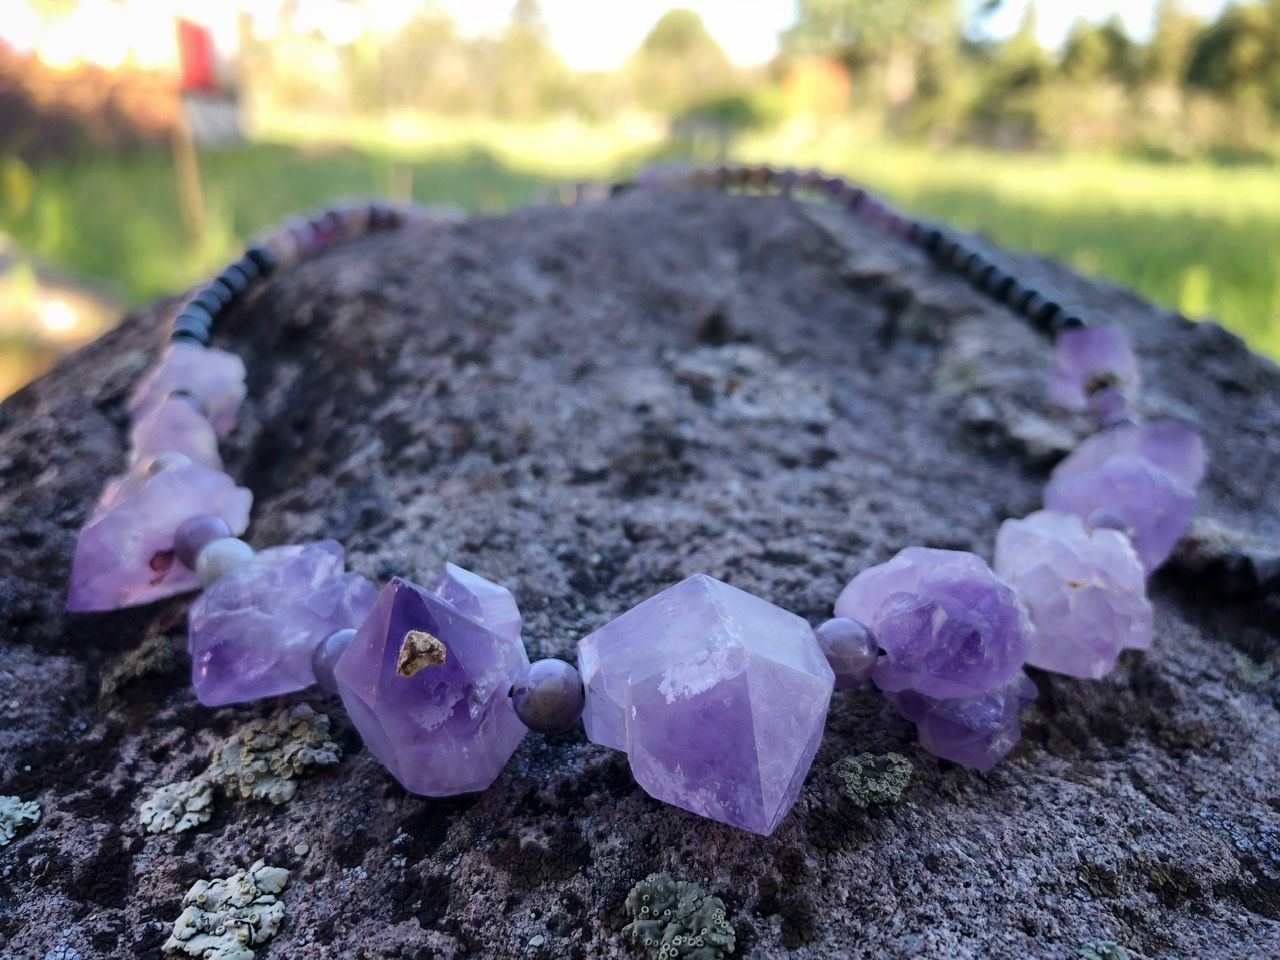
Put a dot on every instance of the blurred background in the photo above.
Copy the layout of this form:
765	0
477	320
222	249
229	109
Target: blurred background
142	140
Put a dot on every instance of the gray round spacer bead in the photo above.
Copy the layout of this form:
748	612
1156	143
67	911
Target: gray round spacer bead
548	698
324	658
220	557
850	648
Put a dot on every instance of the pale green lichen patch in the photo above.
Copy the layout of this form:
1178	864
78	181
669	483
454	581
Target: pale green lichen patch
178	807
153	656
673	919
1250	671
870	779
263	760
225	919
1102	950
16	814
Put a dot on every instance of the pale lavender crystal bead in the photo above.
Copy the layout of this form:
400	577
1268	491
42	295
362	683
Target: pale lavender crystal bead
973	731
125	553
174	425
1143	475
325	657
484	601
1087	359
133	481
850	648
214	377
428	688
947	625
252	633
718	697
1084	589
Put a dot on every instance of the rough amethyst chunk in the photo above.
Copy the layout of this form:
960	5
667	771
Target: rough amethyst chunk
1085	591
972	731
125	553
1088	359
1143	475
252	633
174	425
718	698
427	687
948	627
214	377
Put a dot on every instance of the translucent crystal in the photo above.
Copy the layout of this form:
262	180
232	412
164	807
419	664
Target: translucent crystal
973	731
1145	475
482	600
427	687
251	634
1087	359
1084	589
175	426
718	698
213	377
948	627
125	555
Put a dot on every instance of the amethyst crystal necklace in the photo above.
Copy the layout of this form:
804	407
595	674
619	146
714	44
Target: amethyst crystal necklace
718	697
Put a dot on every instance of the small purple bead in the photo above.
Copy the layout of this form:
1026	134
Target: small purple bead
850	648
324	658
549	696
195	534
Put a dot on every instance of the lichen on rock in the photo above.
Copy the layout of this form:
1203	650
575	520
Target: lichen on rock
178	806
15	814
262	760
1102	950
874	779
674	919
154	655
225	918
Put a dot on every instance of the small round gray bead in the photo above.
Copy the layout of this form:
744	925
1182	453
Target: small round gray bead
195	534
220	557
850	648
549	697
324	658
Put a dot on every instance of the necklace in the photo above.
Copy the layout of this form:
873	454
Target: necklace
718	697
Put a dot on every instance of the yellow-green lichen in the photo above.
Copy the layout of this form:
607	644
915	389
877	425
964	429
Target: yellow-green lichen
673	919
870	779
178	807
15	815
153	656
263	760
225	919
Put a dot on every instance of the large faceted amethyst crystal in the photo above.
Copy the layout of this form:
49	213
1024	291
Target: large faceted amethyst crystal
1084	589
213	377
1090	359
948	626
175	426
251	633
124	555
973	731
482	600
718	698
1144	475
427	686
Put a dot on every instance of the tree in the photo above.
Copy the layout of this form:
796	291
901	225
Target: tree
1172	39
679	63
1238	56
1100	52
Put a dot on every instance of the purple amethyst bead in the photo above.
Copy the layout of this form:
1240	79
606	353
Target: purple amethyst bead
948	627
214	377
428	688
549	697
850	648
195	534
718	697
1144	476
252	633
1087	359
1085	591
975	731
125	553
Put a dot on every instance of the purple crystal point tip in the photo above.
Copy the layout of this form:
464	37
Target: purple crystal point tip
718	697
253	632
427	686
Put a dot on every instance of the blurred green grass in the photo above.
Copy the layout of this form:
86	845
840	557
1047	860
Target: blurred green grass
1201	239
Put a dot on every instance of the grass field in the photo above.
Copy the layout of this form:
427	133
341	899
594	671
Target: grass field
1202	239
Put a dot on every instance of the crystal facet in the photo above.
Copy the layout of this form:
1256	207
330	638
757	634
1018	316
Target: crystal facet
1084	589
175	426
948	627
718	698
214	377
1145	475
973	731
252	633
125	552
427	686
482	600
1088	359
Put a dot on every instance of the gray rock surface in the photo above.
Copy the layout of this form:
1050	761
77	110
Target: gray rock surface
587	405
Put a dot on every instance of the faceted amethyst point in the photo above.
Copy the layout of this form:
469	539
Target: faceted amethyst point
549	697
325	657
947	625
1089	359
195	534
1085	591
252	634
125	554
484	601
428	688
850	648
718	697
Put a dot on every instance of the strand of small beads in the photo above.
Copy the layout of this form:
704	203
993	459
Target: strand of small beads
718	697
